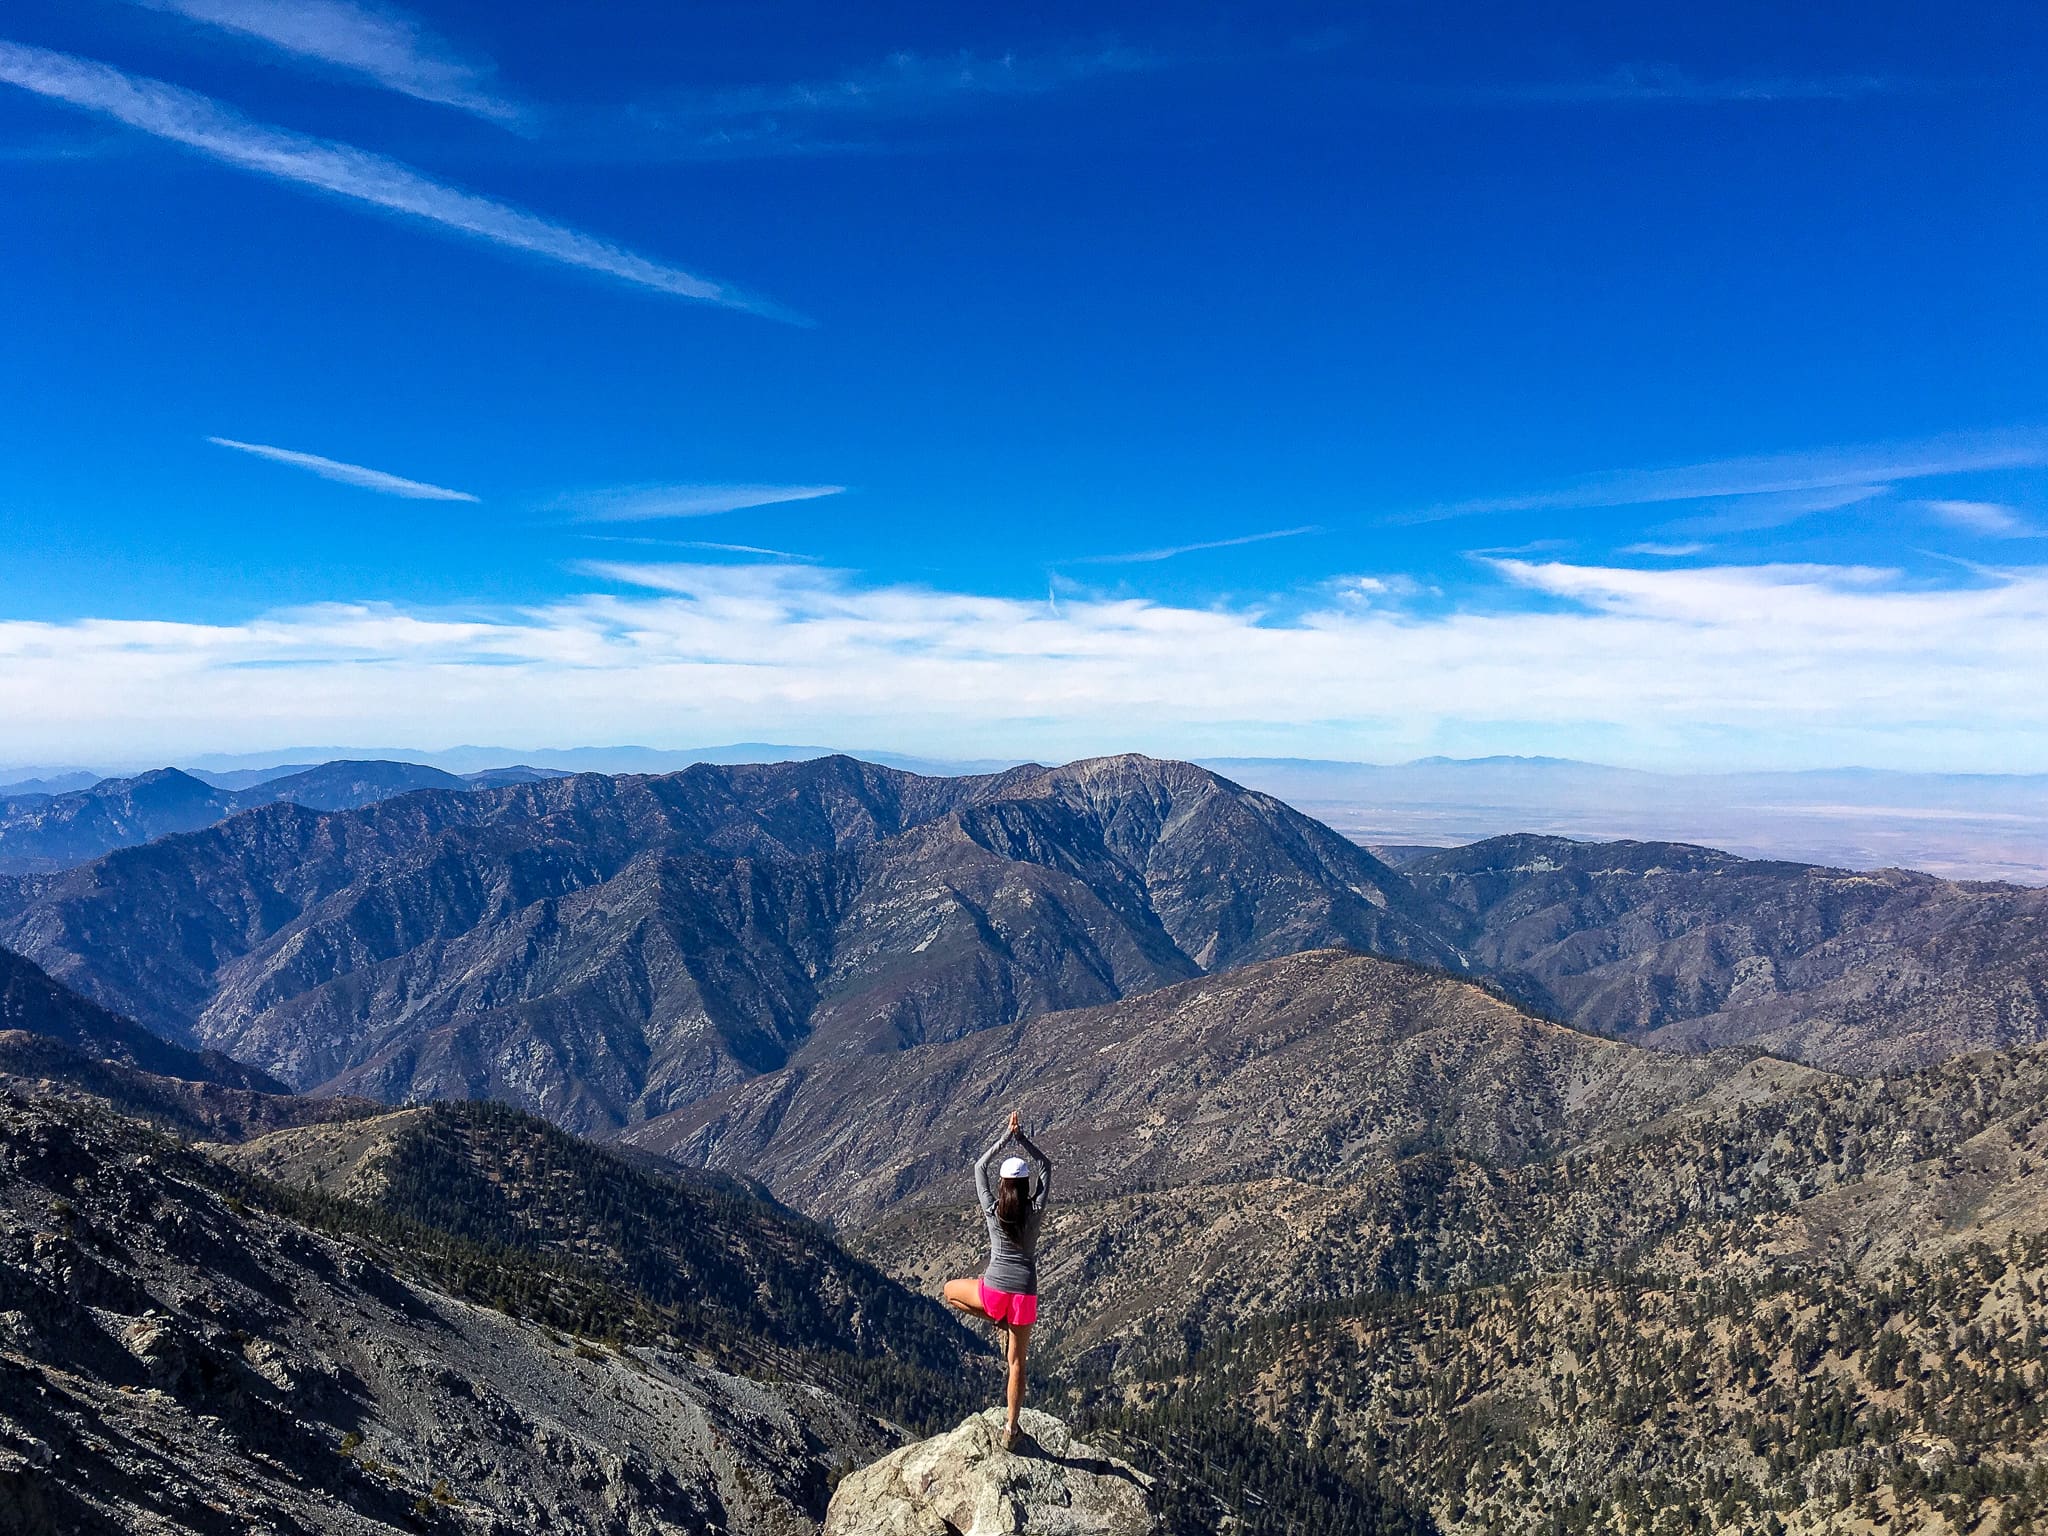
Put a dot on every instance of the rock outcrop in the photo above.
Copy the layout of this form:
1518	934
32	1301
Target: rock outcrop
963	1483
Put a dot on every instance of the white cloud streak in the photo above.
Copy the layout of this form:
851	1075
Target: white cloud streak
646	503
1665	551
724	549
1650	84
384	46
347	474
1770	509
207	127
913	83
1764	665
1169	552
1863	469
854	112
1991	518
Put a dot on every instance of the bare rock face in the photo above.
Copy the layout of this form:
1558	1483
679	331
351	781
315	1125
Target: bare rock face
964	1483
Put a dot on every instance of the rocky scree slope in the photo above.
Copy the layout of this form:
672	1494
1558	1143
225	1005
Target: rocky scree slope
173	1357
1688	948
605	949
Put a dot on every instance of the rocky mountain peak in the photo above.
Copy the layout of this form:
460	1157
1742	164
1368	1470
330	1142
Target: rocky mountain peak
964	1480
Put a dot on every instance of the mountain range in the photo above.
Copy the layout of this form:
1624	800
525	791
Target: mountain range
1336	1239
1691	948
604	949
32	1003
57	831
1525	1278
1468	1191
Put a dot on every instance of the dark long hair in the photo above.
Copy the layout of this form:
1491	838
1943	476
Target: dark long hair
1013	1205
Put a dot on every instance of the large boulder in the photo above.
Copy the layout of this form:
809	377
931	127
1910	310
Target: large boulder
963	1483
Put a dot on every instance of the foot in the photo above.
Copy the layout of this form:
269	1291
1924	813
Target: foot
1011	1435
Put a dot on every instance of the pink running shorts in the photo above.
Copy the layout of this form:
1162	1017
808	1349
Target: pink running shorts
1009	1306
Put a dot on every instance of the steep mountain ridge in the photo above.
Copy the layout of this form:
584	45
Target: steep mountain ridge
609	949
602	949
33	1002
37	1066
1310	1067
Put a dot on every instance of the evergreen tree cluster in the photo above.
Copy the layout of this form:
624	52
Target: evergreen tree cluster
1616	1404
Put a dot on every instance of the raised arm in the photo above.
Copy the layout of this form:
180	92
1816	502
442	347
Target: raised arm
1044	1167
981	1185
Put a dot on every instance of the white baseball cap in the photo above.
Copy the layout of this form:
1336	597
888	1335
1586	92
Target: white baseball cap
1016	1168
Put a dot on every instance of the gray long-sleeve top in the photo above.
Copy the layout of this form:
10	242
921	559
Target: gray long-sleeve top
1012	1264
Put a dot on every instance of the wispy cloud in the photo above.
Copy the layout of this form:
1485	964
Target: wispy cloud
347	474
50	149
1781	474
1142	556
1994	519
729	549
645	503
381	45
1648	84
1396	588
913	84
1665	551
1789	664
832	116
216	131
1769	509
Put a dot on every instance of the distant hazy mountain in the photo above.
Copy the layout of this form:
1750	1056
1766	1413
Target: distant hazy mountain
602	949
587	759
248	778
55	832
1964	826
41	832
48	782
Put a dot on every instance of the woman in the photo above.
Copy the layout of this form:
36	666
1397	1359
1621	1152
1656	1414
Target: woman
1007	1292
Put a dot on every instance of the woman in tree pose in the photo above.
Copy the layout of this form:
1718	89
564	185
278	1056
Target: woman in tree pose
1007	1292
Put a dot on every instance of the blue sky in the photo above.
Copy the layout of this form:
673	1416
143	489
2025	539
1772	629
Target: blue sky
1657	386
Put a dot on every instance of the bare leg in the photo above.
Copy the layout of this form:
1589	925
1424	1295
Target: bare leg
1020	1346
965	1296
